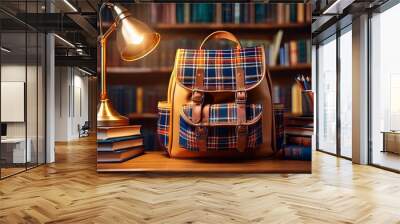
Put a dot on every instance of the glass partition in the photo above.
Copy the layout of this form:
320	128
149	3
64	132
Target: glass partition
326	91
22	76
14	153
385	89
346	92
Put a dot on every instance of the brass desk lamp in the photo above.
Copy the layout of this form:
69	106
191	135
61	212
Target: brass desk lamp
134	41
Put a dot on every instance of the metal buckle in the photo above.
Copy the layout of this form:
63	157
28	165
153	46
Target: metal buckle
241	97
197	97
241	130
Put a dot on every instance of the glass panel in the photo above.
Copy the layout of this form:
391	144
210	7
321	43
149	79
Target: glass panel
32	88
327	96
31	98
385	84
346	94
41	99
13	87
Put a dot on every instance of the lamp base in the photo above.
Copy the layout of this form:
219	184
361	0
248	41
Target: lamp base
108	116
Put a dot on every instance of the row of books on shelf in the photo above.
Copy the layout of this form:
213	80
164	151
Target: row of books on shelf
118	144
129	99
281	94
298	134
295	52
236	13
289	53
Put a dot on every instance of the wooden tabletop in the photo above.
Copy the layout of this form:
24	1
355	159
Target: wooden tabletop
159	162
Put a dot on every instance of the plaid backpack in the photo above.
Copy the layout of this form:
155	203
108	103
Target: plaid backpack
219	103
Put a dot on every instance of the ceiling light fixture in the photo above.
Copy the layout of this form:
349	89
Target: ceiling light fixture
337	7
65	41
84	71
71	6
5	50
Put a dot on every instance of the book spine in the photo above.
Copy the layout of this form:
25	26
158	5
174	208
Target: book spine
180	13
300	13
186	12
280	13
287	54
218	13
282	56
236	13
139	100
308	14
293	13
294	152
287	14
293	52
251	13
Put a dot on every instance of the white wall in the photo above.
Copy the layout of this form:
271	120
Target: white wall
33	126
16	73
71	102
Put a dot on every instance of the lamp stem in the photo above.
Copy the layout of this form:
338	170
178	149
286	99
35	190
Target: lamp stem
103	63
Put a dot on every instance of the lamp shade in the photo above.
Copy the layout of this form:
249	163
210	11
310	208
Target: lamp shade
134	38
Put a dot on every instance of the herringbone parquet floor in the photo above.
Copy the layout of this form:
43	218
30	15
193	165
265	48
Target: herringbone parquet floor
70	191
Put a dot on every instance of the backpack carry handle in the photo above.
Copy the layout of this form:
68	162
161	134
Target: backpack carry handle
221	35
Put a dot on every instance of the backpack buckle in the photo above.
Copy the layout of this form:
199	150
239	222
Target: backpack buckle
197	97
241	97
241	130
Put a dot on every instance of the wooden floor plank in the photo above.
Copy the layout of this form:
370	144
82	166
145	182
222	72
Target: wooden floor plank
71	191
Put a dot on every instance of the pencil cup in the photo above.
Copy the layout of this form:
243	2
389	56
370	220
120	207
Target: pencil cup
307	102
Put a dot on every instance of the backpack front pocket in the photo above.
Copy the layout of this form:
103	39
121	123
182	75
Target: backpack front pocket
219	129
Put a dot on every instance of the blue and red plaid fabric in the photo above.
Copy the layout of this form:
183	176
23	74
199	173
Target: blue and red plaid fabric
220	138
226	113
220	67
163	126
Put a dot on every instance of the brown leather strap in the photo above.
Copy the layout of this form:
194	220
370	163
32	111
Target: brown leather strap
240	98
241	132
198	97
201	137
221	35
202	133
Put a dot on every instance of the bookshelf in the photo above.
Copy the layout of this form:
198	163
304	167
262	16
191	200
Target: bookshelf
229	26
184	31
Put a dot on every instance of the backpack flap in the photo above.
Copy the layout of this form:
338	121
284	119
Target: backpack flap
219	68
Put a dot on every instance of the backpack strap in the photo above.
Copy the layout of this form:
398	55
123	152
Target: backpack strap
202	131
221	34
198	96
241	99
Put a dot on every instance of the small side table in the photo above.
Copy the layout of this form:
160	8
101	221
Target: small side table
19	155
391	141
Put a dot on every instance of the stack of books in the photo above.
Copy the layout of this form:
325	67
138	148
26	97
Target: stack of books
118	144
298	133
